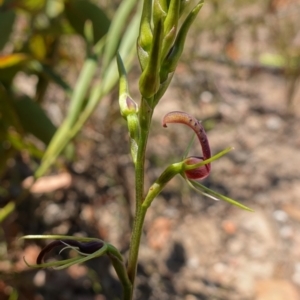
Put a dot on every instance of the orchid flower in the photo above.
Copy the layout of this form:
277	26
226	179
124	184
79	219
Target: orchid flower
194	168
87	248
184	118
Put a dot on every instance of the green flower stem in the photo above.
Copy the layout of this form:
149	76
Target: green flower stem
160	183
145	116
119	266
122	275
142	208
134	245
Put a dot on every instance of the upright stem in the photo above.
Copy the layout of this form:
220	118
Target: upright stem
145	116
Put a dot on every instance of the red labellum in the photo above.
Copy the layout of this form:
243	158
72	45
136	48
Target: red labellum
184	118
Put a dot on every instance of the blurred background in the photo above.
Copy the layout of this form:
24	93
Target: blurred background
239	74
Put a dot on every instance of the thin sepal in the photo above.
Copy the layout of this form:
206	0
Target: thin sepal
58	237
189	146
68	262
187	167
58	265
214	195
62	264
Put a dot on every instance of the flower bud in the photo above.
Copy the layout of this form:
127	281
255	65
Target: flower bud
170	26
145	37
127	106
134	132
149	80
126	103
171	61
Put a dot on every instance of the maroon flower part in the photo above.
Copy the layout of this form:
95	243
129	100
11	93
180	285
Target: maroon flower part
199	173
86	248
184	118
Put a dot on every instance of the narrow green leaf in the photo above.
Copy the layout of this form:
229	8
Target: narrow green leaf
61	137
67	132
115	31
127	51
58	237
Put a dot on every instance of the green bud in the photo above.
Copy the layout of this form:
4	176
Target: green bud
170	26
145	37
149	80
126	103
134	132
163	4
127	106
160	10
170	63
183	5
133	126
143	56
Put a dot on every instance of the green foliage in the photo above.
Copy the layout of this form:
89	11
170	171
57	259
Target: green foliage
36	49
